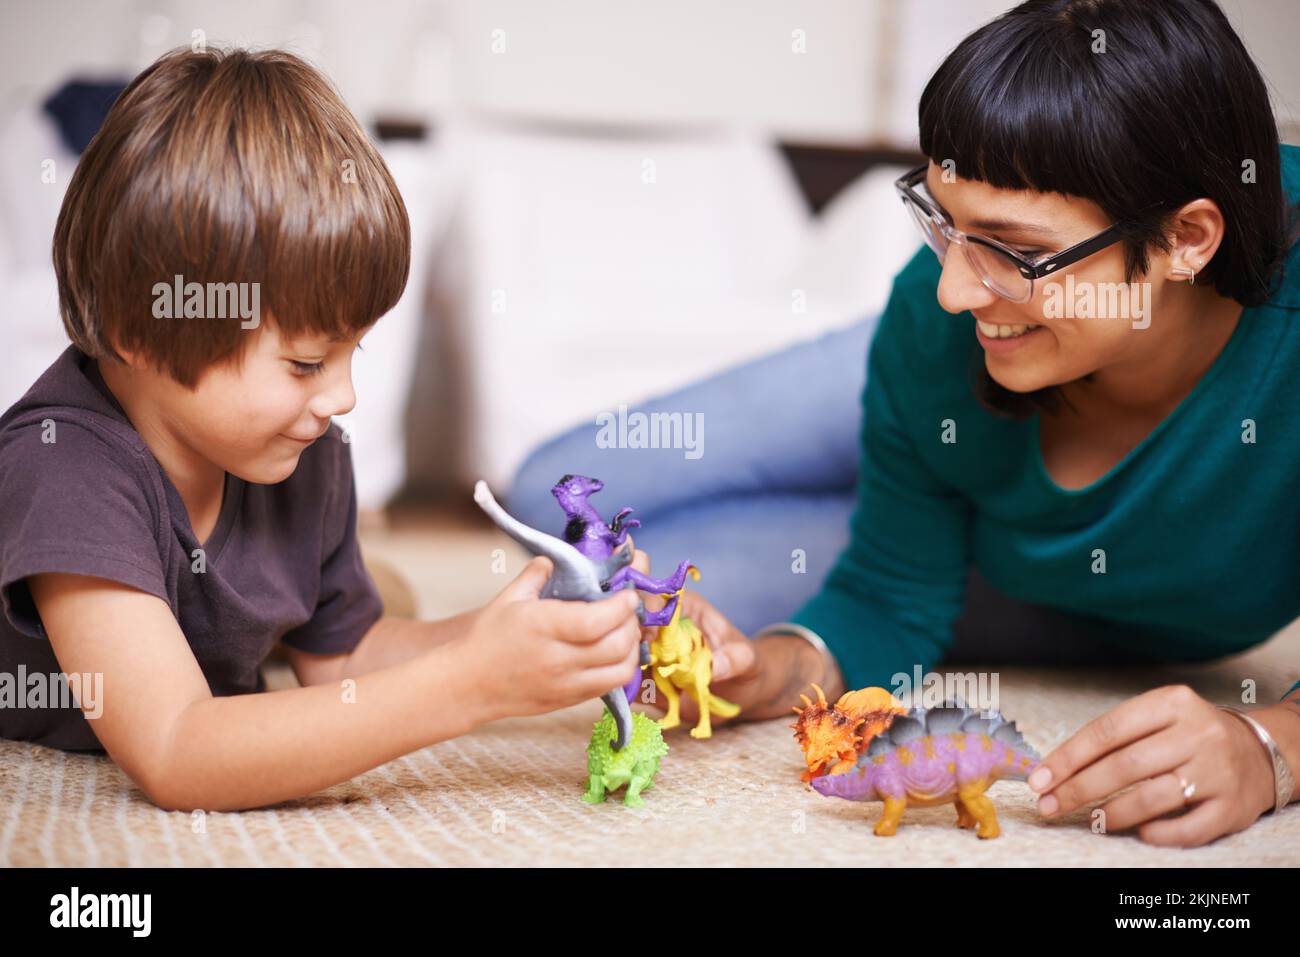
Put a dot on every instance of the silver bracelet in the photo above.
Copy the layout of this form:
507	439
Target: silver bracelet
1283	780
807	634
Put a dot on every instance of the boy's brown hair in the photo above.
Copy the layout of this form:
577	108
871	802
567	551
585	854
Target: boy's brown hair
227	167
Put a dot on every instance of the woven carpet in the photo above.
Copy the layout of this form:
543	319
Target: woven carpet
508	794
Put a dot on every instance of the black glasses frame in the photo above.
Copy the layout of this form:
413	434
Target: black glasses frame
906	186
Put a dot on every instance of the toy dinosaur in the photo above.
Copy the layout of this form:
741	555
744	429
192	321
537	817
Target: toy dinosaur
592	560
833	738
635	765
680	658
882	751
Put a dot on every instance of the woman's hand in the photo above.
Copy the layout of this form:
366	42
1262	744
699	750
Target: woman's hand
1152	741
735	662
736	672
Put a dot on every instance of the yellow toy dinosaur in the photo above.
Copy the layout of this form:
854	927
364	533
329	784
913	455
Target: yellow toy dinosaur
680	659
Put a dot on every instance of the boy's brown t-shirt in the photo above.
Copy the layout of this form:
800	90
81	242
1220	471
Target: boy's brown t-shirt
80	492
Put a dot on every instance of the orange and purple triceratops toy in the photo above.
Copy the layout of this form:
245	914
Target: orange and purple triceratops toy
868	747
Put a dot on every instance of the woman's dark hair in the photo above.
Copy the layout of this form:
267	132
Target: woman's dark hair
1126	104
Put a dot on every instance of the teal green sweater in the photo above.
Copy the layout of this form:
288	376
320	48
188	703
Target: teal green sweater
1200	530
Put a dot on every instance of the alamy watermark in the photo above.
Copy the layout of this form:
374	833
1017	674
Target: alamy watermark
651	430
56	690
1098	300
131	911
932	689
212	300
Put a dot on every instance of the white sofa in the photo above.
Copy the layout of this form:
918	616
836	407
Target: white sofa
578	272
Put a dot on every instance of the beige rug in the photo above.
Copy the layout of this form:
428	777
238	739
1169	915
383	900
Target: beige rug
509	794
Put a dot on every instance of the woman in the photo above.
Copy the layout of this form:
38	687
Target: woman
1084	412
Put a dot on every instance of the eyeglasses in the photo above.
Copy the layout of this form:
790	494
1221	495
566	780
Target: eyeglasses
1002	269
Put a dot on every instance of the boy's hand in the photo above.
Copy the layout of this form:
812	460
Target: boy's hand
533	655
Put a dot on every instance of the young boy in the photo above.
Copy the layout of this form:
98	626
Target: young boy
174	499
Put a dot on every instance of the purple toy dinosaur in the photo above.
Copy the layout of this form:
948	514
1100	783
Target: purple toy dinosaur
586	531
868	747
593	559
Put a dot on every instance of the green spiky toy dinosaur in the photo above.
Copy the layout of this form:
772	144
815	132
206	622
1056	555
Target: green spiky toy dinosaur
635	765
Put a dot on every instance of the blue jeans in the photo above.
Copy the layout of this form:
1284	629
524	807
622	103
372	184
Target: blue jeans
775	485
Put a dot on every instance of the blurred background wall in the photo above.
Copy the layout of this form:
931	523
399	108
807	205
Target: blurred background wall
609	199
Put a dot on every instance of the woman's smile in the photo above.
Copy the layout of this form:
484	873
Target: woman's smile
1003	337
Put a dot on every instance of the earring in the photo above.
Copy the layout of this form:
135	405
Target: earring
1188	271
